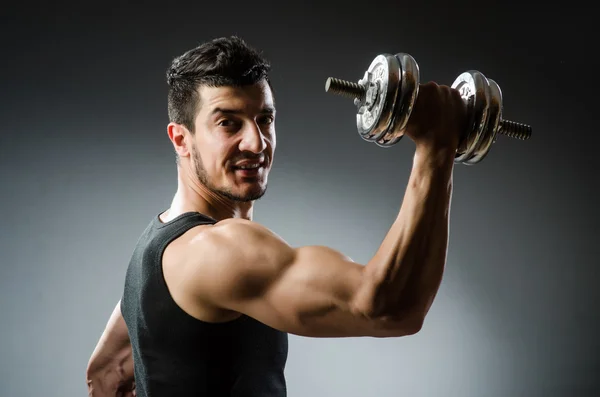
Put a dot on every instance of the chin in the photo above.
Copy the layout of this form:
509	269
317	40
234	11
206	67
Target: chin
254	193
246	194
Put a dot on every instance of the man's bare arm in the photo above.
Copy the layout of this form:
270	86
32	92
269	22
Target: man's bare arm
110	368
317	291
408	267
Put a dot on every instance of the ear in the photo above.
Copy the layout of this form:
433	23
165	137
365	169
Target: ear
179	136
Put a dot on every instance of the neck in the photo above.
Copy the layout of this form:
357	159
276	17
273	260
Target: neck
192	196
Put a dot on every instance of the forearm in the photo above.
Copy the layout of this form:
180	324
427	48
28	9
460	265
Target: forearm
111	364
407	268
107	373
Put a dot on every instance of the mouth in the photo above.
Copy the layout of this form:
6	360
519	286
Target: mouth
249	169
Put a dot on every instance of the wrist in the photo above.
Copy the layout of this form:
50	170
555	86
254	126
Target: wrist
435	157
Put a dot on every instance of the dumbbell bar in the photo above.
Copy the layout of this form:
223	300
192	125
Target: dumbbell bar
386	94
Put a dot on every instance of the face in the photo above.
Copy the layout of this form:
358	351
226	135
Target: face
232	149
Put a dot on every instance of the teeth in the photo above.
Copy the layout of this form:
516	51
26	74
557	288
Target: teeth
249	166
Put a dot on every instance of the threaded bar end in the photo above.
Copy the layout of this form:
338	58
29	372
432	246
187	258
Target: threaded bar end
344	88
515	130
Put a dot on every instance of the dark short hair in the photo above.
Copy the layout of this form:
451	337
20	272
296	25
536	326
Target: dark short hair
224	61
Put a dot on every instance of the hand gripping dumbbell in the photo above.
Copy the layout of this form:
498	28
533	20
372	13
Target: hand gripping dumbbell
386	94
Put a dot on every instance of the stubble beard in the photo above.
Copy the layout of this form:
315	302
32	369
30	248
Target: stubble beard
226	192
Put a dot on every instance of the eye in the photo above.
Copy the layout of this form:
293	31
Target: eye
225	123
266	120
229	125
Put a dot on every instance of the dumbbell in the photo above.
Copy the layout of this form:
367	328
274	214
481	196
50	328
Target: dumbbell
386	94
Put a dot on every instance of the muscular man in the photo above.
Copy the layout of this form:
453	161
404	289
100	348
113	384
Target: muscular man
210	296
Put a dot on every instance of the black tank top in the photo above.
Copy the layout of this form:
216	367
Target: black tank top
176	354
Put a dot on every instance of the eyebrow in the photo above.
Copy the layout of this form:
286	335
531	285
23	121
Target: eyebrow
265	110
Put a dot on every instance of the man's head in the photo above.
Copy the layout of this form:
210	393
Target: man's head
222	113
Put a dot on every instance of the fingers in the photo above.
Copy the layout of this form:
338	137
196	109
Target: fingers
438	116
425	112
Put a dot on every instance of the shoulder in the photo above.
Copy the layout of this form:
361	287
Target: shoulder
233	236
235	255
236	228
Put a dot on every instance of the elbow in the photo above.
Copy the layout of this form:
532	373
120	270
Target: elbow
404	323
392	312
94	372
413	325
407	316
91	381
390	318
100	380
89	372
91	377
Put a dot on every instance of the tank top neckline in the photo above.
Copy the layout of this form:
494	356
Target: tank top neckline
185	215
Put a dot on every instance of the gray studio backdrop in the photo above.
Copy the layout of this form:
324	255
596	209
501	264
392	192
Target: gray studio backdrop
86	162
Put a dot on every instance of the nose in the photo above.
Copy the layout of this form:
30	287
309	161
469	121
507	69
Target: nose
253	140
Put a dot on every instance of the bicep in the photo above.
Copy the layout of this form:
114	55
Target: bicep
310	291
314	295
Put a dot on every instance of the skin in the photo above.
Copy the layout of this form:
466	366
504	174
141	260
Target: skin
110	369
247	269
